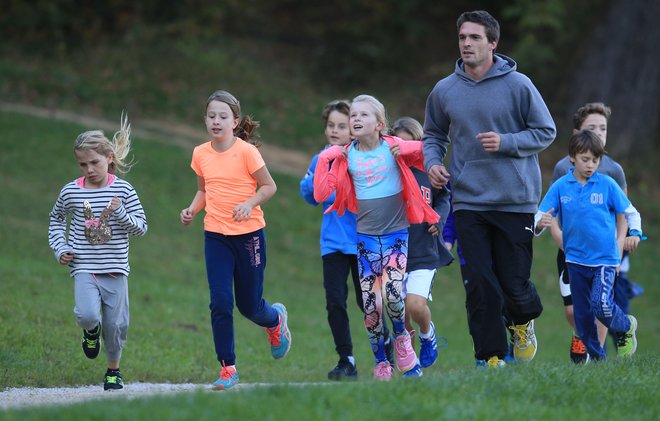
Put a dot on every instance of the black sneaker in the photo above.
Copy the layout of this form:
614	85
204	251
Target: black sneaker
91	342
389	351
113	380
343	370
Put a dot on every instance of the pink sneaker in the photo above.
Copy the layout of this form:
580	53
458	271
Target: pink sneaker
405	354
383	371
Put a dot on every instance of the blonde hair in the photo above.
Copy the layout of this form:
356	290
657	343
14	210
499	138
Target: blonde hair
379	110
117	148
247	127
408	125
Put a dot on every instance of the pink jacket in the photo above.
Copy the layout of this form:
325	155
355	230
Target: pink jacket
328	179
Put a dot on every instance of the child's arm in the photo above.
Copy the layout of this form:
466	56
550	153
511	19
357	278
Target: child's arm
325	179
307	183
634	220
411	152
57	232
130	214
557	234
266	190
198	203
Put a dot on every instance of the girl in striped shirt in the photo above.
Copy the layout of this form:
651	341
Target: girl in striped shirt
102	210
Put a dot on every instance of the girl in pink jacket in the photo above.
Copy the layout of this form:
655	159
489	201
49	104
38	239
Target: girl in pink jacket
370	181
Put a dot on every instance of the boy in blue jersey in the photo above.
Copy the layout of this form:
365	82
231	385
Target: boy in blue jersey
338	249
586	204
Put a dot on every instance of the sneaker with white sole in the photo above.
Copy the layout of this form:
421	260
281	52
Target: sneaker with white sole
279	336
228	378
405	354
416	371
524	348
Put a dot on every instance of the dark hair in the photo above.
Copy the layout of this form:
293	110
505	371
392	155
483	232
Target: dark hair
247	127
482	18
590	108
340	105
584	141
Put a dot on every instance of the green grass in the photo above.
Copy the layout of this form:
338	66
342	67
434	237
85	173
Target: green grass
170	337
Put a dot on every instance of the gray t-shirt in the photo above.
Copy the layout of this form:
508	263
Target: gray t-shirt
607	166
381	216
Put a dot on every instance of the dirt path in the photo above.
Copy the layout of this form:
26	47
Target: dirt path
278	159
14	398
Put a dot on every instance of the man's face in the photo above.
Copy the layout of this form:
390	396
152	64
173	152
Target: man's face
475	48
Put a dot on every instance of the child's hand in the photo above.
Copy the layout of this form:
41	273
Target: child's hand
115	203
545	221
186	217
242	212
448	246
66	258
396	150
433	229
630	243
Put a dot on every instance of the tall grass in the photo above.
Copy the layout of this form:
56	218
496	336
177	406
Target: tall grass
170	338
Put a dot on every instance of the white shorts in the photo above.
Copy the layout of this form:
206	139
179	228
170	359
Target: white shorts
419	282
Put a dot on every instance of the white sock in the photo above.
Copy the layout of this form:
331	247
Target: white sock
351	360
426	335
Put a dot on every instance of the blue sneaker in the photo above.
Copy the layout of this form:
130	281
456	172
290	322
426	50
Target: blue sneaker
416	371
428	351
279	336
228	378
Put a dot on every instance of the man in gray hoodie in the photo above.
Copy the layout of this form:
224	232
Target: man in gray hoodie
497	123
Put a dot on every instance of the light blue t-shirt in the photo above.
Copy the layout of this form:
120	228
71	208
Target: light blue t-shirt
587	215
375	173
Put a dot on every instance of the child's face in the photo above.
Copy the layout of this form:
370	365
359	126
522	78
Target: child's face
220	121
585	164
336	129
597	123
363	121
93	166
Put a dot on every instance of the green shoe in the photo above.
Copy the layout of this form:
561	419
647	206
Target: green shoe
627	342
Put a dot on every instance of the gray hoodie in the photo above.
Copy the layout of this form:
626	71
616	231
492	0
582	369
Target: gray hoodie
503	101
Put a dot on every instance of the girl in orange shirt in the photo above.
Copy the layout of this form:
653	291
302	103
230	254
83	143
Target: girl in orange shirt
233	182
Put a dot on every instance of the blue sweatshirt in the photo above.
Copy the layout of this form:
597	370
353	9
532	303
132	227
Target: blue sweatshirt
338	234
503	101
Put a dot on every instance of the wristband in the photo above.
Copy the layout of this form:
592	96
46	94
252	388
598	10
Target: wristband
637	233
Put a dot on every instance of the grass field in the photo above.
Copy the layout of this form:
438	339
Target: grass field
170	338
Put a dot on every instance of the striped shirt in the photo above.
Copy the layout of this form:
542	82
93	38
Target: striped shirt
128	219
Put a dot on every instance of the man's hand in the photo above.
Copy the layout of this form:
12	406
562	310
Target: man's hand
490	141
438	176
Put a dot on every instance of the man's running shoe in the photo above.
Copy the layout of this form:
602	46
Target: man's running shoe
91	342
383	371
627	342
524	338
344	370
228	378
428	351
113	380
405	354
279	336
579	354
493	362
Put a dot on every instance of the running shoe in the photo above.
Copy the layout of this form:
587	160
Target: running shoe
627	342
113	380
91	342
524	339
579	354
428	351
383	371
279	336
405	354
228	378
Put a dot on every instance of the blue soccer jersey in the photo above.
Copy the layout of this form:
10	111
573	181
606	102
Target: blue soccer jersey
587	215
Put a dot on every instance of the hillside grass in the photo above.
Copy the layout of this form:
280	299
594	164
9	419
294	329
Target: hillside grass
170	337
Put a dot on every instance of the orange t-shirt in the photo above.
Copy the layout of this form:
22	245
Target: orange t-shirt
229	181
